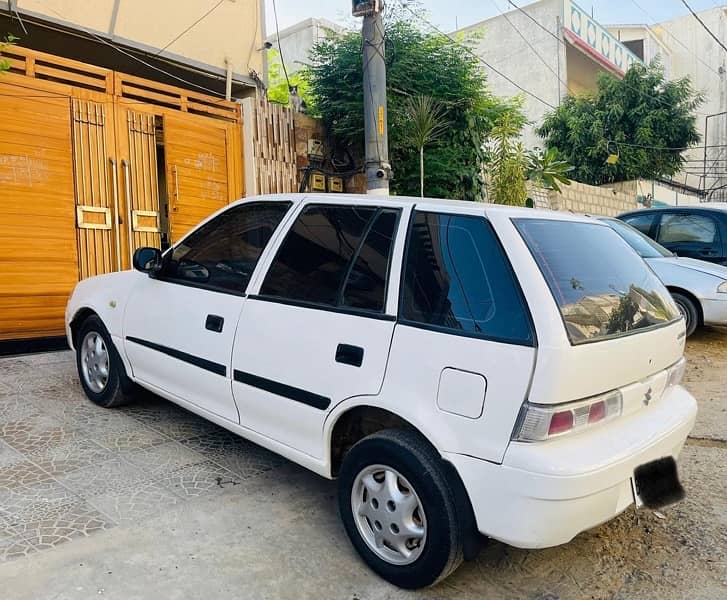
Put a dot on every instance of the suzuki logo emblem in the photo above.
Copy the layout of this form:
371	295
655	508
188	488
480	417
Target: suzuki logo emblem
647	397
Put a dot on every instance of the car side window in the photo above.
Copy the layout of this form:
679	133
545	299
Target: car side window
686	228
335	256
222	254
457	278
643	223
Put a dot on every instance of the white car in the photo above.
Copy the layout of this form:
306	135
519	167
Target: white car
458	367
699	288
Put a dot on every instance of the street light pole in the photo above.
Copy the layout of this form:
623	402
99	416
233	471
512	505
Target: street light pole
378	168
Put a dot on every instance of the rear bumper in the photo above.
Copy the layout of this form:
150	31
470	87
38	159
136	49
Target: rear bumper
714	311
544	494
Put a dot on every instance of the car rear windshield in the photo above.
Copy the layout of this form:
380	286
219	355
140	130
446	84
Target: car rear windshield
602	287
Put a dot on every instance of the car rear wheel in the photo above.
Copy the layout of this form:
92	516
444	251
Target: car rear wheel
688	310
100	369
399	510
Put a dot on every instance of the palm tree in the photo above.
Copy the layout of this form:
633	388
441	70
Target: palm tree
426	123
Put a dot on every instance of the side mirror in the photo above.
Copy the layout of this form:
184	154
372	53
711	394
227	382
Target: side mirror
147	260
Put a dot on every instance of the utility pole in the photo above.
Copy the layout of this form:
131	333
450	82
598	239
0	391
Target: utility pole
378	169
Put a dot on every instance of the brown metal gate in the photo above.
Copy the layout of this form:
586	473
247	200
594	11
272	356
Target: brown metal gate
83	183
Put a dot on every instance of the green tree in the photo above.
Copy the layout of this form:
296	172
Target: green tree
418	63
427	123
643	118
277	84
547	169
506	164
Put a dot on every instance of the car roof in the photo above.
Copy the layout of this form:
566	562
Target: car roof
438	204
720	207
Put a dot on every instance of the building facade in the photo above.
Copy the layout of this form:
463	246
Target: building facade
297	41
686	49
549	48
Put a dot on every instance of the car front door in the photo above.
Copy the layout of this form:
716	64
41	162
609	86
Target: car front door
319	328
690	234
180	323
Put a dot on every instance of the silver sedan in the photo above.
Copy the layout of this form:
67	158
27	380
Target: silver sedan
699	288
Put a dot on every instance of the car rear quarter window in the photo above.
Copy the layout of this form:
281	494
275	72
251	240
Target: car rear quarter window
222	253
601	286
457	279
335	256
686	228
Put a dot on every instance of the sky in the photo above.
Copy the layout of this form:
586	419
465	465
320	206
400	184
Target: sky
452	14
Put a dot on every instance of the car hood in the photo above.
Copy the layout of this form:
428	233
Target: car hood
689	263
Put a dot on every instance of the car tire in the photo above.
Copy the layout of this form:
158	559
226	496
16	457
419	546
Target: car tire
100	369
689	311
391	484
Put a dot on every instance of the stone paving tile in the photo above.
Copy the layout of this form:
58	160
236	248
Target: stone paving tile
200	479
71	455
163	458
243	458
64	523
15	547
111	476
136	503
175	422
9	456
35	433
14	407
24	503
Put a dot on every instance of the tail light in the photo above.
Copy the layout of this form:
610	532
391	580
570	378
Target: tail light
539	422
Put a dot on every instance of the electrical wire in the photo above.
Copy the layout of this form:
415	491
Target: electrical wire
530	45
476	56
280	48
703	24
142	61
204	16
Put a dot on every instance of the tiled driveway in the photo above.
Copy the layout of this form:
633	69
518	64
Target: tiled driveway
70	469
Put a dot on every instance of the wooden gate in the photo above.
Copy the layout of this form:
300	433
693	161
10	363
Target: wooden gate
197	177
88	158
38	259
137	146
97	199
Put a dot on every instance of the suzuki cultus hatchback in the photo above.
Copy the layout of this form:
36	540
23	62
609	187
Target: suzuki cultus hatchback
460	368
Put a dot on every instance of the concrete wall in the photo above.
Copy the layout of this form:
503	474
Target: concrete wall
701	50
297	40
500	44
233	32
591	200
660	192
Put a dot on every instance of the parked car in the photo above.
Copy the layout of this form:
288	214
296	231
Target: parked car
699	288
692	231
458	367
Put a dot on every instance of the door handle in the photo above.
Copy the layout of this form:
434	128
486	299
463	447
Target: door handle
129	207
214	323
117	216
349	355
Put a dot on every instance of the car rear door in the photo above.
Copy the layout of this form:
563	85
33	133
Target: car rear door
319	328
691	234
180	324
464	347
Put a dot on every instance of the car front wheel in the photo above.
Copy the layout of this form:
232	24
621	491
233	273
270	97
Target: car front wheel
399	510
100	369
